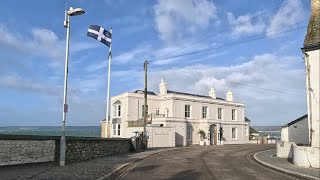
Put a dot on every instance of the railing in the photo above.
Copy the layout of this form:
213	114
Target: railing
140	123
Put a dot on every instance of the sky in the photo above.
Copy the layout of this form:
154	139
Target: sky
249	47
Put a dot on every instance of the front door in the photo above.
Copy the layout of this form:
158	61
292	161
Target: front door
213	134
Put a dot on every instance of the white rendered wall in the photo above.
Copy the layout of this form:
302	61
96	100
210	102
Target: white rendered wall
161	137
306	156
285	149
314	59
284	134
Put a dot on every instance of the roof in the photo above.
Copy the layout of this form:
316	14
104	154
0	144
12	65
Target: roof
142	92
253	130
189	94
312	37
247	119
297	120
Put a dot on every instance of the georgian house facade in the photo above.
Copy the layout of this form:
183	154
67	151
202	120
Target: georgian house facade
221	119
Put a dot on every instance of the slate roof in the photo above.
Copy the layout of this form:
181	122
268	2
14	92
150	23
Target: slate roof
247	119
189	94
297	120
253	130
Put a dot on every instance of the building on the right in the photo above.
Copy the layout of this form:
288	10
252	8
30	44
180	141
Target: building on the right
295	131
308	155
311	51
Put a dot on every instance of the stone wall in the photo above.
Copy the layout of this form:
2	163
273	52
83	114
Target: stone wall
82	149
17	149
22	151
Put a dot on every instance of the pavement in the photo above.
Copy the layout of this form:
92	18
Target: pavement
227	162
269	158
92	169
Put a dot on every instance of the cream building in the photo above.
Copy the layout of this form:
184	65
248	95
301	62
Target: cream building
187	113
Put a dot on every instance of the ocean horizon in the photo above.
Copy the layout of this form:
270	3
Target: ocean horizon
77	131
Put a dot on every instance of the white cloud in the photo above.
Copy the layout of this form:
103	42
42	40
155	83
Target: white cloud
175	19
292	13
244	25
23	84
41	42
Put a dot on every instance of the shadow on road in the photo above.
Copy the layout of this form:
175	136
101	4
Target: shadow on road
145	168
187	174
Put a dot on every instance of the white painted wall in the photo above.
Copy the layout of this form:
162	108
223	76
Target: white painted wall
284	149
306	156
161	137
284	134
314	60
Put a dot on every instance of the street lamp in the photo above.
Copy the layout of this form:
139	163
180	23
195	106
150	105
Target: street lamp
71	12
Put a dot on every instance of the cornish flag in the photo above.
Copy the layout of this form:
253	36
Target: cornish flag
100	34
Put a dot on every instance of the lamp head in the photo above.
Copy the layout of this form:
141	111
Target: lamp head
75	12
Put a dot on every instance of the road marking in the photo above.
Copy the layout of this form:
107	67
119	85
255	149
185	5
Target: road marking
128	170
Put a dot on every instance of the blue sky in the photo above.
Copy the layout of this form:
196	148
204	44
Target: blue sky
266	74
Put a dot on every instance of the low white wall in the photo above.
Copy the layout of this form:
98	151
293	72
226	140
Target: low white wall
285	149
161	137
306	156
254	141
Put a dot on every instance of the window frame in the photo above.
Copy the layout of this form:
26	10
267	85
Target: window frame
233	114
235	133
119	129
187	111
220	113
116	111
204	113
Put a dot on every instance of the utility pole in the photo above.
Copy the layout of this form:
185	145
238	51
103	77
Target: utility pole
145	65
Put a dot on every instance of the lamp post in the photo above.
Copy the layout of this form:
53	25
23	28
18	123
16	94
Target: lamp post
71	12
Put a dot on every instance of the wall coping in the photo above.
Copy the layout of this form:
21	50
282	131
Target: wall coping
35	137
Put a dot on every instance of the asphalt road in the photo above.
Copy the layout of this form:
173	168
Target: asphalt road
228	162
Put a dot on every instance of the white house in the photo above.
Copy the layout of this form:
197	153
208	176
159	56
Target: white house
311	51
187	113
296	131
308	156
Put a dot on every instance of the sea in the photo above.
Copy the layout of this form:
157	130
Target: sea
77	131
274	132
95	131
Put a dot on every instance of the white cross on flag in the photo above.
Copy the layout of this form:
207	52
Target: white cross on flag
100	34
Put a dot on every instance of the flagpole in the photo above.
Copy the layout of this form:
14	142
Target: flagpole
108	128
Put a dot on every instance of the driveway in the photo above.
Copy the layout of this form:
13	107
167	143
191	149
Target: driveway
229	162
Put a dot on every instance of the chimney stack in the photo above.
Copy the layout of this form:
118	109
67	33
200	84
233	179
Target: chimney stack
212	93
229	96
163	88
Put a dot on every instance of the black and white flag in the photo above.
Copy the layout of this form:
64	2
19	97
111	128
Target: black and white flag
100	34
